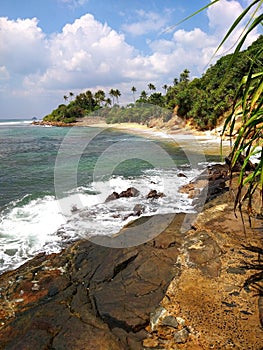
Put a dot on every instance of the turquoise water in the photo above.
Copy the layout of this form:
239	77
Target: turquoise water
47	171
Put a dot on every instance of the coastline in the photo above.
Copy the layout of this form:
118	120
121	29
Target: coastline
95	297
182	290
207	142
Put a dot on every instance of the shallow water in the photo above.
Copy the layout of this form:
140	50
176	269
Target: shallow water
54	182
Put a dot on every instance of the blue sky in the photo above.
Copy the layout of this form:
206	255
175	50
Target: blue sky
51	47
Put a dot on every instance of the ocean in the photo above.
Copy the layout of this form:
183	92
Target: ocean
54	183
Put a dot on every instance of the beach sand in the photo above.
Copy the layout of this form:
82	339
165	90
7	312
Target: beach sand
207	142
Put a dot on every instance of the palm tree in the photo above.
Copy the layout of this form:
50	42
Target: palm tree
117	95
71	94
143	96
89	100
175	81
151	87
65	98
133	89
165	87
107	101
112	94
184	76
100	96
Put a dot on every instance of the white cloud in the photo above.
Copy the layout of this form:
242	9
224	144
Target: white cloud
147	22
88	54
74	3
4	75
222	15
22	46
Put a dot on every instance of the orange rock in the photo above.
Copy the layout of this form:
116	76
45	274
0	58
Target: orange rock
150	343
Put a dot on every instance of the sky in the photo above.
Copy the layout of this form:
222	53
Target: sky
49	48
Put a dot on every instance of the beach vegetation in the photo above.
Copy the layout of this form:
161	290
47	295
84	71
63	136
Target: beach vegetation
204	101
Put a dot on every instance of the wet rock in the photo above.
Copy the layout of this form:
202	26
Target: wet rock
112	197
74	209
181	336
217	171
88	294
153	194
130	192
208	185
181	175
138	209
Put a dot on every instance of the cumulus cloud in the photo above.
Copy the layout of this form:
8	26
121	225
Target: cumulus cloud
221	16
88	54
22	46
147	22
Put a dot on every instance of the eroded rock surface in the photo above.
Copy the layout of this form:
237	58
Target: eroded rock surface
176	290
210	300
88	297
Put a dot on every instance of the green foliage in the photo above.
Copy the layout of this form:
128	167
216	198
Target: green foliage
137	113
249	139
248	107
207	99
83	104
203	100
65	114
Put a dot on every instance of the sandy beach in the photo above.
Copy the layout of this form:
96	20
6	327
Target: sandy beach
207	142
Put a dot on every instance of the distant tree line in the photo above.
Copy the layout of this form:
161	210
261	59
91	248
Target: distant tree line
202	100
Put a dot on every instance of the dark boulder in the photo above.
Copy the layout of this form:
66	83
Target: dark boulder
130	192
154	194
112	197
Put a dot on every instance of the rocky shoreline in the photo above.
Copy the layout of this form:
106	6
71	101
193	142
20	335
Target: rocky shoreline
179	290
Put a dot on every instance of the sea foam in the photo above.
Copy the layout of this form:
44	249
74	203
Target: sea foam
48	224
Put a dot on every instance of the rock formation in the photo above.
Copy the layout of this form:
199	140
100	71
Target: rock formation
178	290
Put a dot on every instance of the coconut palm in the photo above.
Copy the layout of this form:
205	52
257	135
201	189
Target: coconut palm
151	87
117	95
71	94
112	94
175	82
133	89
143	96
165	87
184	76
99	96
108	102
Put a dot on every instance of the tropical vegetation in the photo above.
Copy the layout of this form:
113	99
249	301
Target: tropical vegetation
203	101
247	107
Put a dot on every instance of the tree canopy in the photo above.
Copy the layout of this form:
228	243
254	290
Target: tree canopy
204	101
